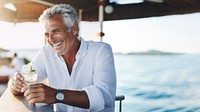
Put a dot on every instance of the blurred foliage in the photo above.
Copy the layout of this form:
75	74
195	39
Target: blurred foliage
26	61
10	59
6	58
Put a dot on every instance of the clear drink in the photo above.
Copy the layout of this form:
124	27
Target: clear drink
29	74
30	77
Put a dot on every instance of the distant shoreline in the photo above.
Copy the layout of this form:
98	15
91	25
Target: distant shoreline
150	52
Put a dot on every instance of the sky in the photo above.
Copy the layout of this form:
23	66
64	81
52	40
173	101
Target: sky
177	33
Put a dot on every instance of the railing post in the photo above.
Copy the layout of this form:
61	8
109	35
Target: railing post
120	105
120	98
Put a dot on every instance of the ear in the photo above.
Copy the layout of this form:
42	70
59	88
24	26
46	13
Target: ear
75	29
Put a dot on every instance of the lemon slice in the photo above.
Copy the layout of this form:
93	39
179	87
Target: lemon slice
30	69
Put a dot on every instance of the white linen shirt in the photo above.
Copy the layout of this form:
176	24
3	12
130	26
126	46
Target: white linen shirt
93	71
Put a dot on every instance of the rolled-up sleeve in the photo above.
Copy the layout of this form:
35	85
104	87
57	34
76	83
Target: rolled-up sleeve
102	94
96	98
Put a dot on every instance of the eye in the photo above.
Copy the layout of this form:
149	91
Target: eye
56	31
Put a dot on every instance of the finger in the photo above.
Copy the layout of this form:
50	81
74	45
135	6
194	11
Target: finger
35	100
36	85
16	88
18	79
19	76
31	90
19	84
16	83
24	88
14	78
35	97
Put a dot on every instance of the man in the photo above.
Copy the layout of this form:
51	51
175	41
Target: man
7	71
81	74
16	63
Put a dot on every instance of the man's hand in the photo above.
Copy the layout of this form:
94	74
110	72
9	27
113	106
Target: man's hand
39	93
16	84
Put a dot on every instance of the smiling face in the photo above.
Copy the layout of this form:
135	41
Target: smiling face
59	36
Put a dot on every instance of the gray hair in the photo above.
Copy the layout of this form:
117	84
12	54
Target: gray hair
66	10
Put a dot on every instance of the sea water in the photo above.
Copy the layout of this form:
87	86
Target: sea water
158	83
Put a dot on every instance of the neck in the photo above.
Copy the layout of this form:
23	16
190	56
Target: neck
70	56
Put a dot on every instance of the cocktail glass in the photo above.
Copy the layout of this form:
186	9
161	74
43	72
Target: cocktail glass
29	74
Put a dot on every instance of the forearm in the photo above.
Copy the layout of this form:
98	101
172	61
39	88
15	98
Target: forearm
76	98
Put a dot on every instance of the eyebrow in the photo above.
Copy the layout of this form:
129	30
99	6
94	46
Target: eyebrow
54	30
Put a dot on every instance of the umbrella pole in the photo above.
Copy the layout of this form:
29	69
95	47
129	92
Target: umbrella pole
101	18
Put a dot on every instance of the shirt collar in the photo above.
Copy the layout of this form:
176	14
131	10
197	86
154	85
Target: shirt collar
55	54
83	47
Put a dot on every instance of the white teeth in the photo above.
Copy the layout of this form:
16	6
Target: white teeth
56	45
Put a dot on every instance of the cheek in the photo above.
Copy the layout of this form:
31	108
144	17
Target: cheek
66	38
65	41
49	41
